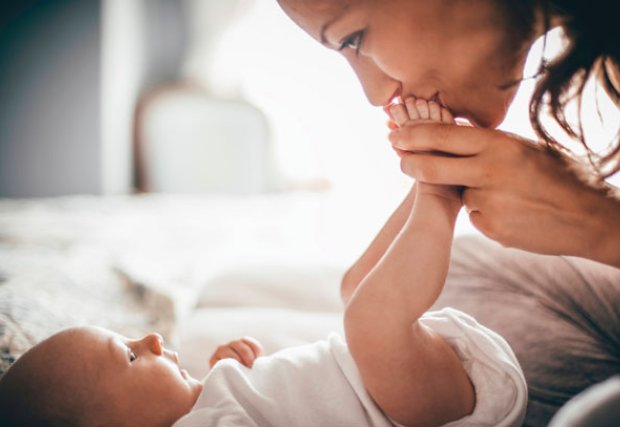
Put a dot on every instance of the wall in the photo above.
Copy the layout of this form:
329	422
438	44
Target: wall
50	95
70	74
143	45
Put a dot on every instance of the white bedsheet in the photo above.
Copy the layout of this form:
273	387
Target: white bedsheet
185	260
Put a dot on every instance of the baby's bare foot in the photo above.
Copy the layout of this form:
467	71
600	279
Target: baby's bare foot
414	111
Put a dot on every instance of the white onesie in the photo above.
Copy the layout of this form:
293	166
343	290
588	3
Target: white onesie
319	384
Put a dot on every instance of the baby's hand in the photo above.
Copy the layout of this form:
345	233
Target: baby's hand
244	350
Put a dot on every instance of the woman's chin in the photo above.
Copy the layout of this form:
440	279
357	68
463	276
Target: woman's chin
488	119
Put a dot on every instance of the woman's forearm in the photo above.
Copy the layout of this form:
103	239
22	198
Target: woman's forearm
604	241
356	273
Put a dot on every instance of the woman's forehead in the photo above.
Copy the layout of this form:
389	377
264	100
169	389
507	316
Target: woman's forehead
315	6
311	15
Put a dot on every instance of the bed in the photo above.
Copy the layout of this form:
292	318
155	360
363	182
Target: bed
203	270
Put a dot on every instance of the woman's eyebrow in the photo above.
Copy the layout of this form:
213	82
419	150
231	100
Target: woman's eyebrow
328	23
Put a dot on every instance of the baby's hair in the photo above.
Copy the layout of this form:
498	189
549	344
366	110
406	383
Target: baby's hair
33	397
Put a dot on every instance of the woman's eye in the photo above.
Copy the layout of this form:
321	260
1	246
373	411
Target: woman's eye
354	41
132	356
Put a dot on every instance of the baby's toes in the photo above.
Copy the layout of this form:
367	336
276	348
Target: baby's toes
412	109
399	114
434	111
423	110
446	116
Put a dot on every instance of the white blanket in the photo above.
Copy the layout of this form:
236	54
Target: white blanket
319	385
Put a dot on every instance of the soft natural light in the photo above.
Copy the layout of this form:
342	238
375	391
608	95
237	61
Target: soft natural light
323	128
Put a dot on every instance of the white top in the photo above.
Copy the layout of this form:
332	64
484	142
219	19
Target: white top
319	384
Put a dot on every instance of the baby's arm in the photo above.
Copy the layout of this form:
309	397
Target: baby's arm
244	350
411	372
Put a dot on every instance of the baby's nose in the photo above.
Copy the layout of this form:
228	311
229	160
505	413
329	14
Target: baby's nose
155	343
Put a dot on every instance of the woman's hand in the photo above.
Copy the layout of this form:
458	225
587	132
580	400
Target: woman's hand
244	350
516	192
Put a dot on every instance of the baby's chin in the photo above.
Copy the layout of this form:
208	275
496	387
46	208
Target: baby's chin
195	385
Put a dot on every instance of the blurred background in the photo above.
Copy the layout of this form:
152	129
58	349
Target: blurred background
115	97
164	160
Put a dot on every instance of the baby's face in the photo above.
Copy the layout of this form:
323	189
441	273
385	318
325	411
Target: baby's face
139	381
460	53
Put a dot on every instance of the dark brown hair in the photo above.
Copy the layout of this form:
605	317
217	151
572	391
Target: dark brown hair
592	51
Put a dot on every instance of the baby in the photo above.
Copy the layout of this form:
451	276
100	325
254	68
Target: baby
397	364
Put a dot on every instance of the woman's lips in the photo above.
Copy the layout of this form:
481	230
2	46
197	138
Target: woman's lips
437	99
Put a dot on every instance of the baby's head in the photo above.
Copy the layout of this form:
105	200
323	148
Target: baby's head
90	376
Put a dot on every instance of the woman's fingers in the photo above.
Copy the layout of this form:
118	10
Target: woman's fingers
473	199
436	169
456	140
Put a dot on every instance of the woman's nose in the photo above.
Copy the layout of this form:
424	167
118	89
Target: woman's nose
378	86
154	343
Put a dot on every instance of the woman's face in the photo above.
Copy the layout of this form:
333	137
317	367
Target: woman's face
458	52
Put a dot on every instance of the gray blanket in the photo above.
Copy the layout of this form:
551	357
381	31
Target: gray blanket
561	315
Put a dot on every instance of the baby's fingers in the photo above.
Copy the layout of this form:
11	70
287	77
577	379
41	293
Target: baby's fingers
256	347
245	352
224	352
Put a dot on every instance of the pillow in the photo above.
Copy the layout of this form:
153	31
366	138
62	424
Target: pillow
298	287
561	315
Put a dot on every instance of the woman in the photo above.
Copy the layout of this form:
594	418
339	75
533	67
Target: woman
534	196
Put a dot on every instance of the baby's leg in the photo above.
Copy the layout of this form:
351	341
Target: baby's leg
416	111
410	371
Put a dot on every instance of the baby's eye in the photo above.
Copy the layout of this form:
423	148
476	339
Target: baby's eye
132	356
354	41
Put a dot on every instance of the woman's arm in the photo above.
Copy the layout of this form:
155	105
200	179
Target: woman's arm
517	192
377	248
411	372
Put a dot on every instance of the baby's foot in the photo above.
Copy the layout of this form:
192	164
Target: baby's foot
414	111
